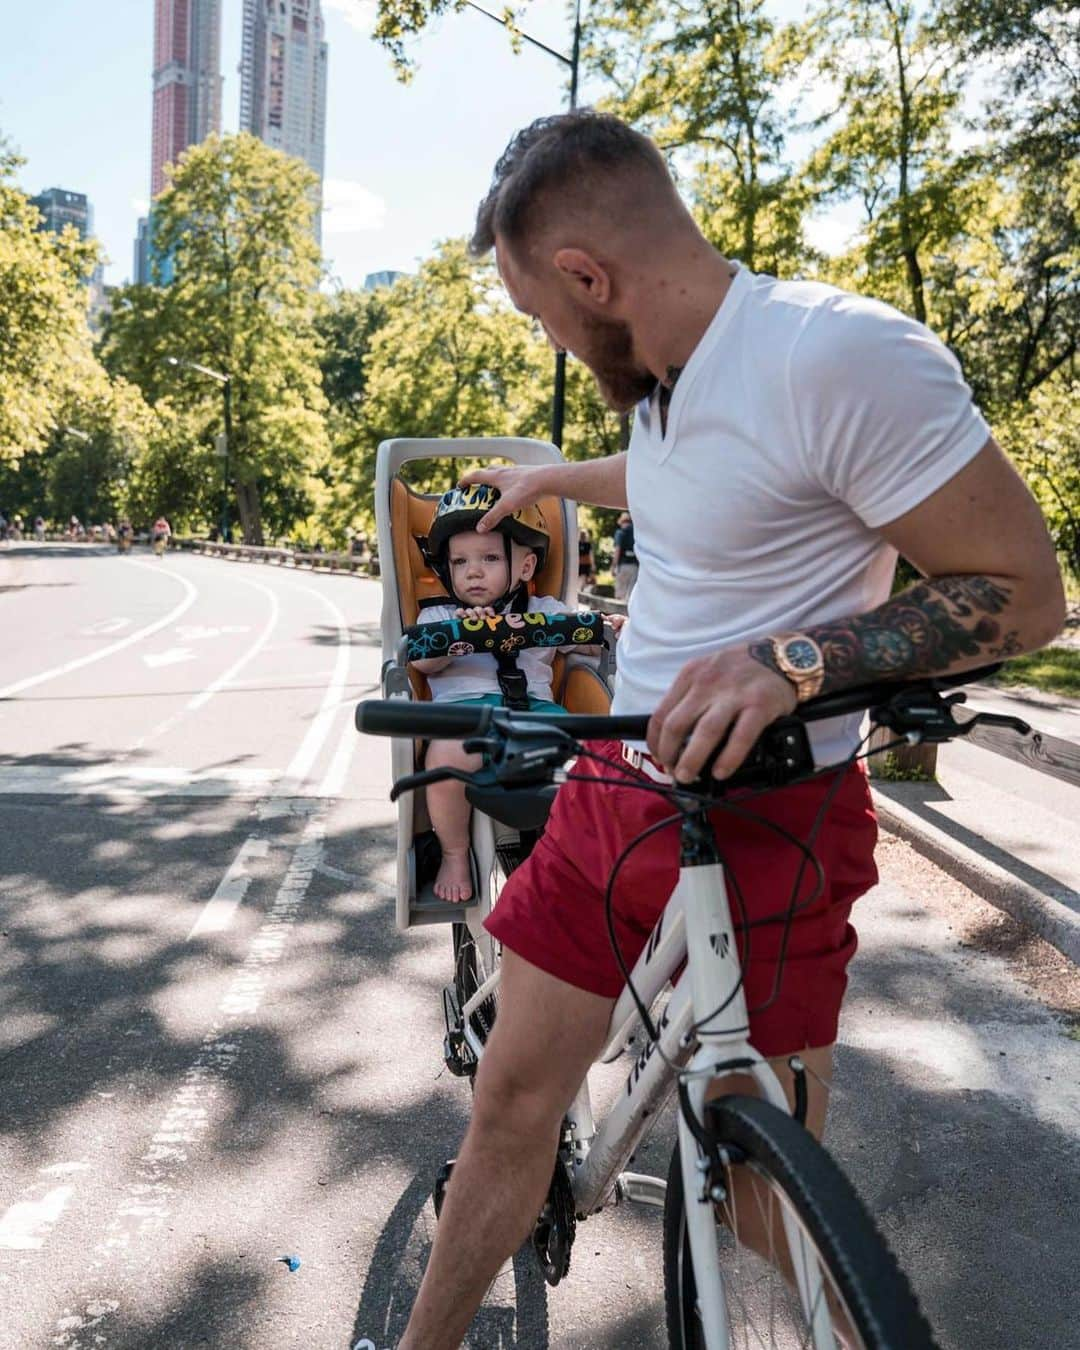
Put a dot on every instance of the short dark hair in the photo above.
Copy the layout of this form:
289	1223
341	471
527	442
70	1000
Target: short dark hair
553	155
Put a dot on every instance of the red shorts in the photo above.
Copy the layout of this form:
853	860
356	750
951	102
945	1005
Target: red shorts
551	910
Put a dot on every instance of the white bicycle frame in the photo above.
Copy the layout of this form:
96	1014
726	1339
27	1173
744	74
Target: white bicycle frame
695	925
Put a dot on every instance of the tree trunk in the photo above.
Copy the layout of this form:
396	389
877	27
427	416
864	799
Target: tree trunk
916	762
247	500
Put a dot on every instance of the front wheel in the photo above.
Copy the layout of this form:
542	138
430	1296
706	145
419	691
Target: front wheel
773	1168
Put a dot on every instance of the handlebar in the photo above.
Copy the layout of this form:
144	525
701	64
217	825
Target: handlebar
503	634
400	717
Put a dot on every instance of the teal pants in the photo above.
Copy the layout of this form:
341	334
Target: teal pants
496	701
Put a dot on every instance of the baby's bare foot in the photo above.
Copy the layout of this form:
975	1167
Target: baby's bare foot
454	882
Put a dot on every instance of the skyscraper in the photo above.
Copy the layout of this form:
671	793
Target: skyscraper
283	80
187	80
60	207
187	94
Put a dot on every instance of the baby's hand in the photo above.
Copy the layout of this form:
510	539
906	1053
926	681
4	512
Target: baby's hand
477	612
617	622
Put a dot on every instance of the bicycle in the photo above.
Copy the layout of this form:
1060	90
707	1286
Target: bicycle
827	1278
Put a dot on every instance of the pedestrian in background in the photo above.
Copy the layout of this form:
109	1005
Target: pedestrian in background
586	566
624	561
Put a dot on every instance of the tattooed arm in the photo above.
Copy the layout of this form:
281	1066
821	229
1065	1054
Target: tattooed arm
933	626
991	588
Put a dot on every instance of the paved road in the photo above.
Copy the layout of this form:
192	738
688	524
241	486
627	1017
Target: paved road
215	1051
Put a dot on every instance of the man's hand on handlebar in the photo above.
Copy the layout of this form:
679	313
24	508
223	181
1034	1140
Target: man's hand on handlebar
727	694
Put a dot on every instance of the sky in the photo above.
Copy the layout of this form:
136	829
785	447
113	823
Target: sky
406	165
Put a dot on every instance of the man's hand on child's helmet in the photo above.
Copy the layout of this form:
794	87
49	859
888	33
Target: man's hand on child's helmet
516	490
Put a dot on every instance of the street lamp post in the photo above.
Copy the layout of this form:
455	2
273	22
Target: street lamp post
82	436
226	393
558	401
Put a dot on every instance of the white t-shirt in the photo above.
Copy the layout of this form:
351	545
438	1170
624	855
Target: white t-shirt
467	676
805	419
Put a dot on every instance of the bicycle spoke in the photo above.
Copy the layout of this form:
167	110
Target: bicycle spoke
765	1307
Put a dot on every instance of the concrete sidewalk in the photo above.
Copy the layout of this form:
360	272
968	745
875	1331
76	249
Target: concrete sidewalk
1005	830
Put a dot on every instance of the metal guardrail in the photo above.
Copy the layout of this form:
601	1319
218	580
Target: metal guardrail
282	557
605	604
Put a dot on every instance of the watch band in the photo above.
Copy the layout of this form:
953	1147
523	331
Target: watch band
801	661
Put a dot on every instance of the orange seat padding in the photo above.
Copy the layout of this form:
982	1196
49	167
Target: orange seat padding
411	514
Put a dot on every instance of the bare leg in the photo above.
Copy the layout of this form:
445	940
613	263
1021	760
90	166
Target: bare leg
449	813
545	1037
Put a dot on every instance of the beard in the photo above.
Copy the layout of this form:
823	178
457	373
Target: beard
608	351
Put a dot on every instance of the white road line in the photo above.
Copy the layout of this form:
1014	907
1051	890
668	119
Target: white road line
260	642
66	669
221	907
145	1203
205	695
302	761
334	781
25	1225
118	778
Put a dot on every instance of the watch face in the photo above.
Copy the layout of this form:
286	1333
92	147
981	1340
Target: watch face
801	654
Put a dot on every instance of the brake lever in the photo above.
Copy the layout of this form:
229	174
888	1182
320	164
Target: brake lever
986	719
412	781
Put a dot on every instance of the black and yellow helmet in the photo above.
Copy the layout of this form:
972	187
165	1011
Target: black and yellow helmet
462	507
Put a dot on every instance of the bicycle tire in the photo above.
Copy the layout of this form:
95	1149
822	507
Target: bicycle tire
876	1295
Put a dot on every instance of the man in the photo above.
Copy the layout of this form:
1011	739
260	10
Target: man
789	441
624	559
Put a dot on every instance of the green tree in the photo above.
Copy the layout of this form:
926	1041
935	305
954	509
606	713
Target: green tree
46	352
887	142
707	82
236	223
448	356
1043	437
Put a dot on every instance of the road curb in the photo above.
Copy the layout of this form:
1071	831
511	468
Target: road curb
1041	913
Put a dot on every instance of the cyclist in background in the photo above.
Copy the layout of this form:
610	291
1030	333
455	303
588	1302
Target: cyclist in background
789	440
160	534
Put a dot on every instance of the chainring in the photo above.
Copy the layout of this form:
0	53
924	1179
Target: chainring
553	1233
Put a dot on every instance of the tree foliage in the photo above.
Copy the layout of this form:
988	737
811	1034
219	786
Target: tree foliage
443	354
46	353
236	226
706	81
953	126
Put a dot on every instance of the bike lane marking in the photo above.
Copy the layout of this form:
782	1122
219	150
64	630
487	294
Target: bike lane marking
215	686
301	763
146	1202
191	595
220	909
25	1225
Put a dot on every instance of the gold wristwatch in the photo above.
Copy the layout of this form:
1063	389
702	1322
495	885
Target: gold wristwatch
801	661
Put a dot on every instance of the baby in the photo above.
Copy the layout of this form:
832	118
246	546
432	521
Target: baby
484	575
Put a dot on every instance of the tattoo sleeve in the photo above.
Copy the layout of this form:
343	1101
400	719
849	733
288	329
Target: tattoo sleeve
923	630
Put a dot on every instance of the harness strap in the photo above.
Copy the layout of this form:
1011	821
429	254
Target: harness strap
512	682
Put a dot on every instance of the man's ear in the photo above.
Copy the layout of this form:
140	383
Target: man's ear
587	278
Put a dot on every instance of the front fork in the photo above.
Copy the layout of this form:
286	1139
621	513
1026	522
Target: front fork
722	1028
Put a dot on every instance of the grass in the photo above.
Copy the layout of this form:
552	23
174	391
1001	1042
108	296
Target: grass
886	768
1055	670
